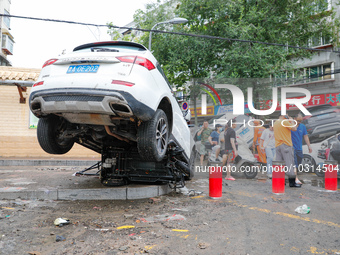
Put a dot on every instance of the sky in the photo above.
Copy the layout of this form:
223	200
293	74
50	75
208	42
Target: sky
38	41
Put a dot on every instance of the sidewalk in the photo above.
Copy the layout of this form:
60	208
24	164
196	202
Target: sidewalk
52	179
13	161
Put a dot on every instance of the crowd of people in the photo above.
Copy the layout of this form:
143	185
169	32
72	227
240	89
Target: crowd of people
280	141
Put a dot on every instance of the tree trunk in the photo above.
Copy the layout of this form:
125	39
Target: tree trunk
195	100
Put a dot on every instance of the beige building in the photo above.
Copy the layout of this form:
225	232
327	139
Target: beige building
18	133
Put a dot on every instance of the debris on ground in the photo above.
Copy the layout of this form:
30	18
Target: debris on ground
128	216
61	222
154	200
203	245
34	253
304	209
185	191
60	238
180	209
163	217
124	248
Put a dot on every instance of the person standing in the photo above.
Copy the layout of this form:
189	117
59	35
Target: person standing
297	137
284	146
214	140
230	150
267	144
258	130
204	133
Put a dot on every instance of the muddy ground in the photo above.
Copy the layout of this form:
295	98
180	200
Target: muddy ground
248	219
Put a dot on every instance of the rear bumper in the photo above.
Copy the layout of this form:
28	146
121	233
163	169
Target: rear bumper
88	101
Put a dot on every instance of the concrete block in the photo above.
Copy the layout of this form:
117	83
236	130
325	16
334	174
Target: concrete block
30	195
164	189
142	191
118	193
13	195
42	194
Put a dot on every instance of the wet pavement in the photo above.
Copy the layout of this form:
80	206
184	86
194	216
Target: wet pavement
247	219
60	183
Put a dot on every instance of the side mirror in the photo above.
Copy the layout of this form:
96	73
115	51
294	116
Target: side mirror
187	115
324	145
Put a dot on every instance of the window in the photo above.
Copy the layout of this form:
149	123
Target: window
305	75
319	73
159	68
7	20
319	40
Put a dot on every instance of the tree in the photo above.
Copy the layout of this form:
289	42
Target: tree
283	22
185	58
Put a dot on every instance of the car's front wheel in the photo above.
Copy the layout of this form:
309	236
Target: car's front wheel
49	132
153	137
308	164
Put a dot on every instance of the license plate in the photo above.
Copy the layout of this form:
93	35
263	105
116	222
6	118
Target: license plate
82	69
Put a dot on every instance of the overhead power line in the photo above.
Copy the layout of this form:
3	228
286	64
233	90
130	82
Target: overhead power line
169	32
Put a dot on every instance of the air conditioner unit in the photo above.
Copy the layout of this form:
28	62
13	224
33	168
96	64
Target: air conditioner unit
7	44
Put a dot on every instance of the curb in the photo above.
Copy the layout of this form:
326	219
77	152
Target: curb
117	193
45	162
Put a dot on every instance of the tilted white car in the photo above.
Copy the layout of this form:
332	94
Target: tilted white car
113	97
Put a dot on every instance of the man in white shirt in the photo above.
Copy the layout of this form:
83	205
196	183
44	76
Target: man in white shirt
267	144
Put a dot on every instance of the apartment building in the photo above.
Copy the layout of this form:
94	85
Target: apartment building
320	74
6	39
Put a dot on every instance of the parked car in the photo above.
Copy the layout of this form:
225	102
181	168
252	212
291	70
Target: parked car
313	162
324	122
113	98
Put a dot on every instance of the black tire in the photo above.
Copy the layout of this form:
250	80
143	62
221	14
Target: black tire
250	171
153	137
48	131
308	164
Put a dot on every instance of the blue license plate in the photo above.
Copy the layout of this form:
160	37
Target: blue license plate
82	69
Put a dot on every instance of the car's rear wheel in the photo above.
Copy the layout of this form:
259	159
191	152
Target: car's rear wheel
153	137
49	135
250	170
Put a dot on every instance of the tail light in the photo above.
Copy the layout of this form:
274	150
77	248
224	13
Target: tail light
49	62
38	83
138	60
336	110
125	83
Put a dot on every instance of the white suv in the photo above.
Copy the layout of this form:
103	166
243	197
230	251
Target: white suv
113	98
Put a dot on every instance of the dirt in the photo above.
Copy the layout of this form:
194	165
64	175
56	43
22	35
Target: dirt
248	219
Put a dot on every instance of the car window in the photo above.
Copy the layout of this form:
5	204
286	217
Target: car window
159	68
119	48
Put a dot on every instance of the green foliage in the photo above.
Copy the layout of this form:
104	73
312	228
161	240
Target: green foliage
186	58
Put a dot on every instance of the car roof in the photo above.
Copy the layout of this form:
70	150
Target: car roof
317	107
110	43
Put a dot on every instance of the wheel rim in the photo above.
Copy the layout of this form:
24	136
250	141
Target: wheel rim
161	135
306	161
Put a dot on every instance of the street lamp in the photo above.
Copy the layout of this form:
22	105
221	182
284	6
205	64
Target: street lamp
172	21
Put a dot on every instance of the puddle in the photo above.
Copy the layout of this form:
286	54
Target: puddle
318	183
